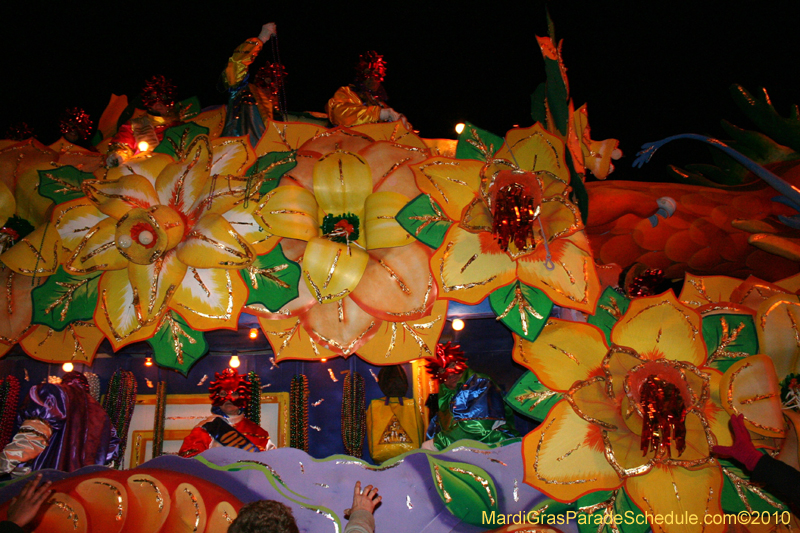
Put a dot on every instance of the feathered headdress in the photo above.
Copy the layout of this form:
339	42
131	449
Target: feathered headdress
449	361
229	382
76	120
158	89
371	65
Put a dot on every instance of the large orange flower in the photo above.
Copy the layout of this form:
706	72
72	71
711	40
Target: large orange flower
167	233
641	414
512	220
363	289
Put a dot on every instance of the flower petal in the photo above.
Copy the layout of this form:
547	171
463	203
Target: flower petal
231	155
380	226
563	457
590	401
78	343
465	272
37	254
573	281
400	342
242	219
340	326
701	290
390	163
227	185
750	387
342	182
563	353
115	198
16	307
560	217
394	132
535	149
452	183
286	136
393	286
73	219
213	243
332	270
210	298
681	493
153	286
661	325
776	323
289	211
115	314
97	250
181	184
289	340
148	167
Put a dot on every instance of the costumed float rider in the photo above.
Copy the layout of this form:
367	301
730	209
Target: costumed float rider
61	426
228	426
364	100
777	477
251	105
470	405
160	113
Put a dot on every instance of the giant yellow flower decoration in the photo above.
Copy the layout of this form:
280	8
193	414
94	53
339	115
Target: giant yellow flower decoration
365	283
641	412
512	220
166	233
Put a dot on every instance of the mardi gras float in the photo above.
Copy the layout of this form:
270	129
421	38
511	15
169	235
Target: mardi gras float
644	318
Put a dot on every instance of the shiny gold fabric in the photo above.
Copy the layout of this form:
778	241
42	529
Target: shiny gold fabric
347	109
28	443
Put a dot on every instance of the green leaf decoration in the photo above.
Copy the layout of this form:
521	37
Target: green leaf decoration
271	167
62	184
176	345
424	219
475	143
729	337
609	512
64	298
556	89
522	308
578	195
758	108
539	105
189	108
466	490
610	308
739	494
178	139
530	398
272	280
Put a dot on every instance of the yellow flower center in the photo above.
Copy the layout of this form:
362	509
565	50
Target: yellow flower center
144	235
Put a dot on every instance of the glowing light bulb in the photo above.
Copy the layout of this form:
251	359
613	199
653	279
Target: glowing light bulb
459	127
253	333
146	237
458	324
322	360
125	242
143	146
67	367
234	362
148	361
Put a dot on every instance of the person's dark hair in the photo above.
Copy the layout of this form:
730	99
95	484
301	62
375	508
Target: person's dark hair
264	516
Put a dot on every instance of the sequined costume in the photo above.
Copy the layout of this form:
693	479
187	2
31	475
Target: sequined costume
249	107
61	427
473	409
199	440
347	108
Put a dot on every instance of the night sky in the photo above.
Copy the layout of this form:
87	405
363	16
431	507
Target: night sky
647	69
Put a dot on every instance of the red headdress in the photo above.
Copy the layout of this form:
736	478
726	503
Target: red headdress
227	383
270	77
76	120
75	378
371	65
449	361
158	89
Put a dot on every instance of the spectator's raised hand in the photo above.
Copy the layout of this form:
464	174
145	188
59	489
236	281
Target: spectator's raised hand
25	506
